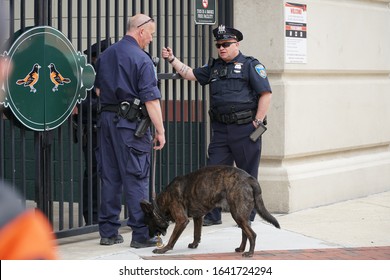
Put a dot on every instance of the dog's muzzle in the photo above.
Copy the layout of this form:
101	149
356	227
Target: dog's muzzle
161	231
161	222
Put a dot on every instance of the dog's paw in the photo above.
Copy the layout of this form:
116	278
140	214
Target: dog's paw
163	250
160	250
193	245
240	250
247	254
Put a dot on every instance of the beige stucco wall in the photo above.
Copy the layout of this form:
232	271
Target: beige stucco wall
329	123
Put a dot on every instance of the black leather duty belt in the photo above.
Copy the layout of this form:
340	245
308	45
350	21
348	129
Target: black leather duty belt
110	108
242	117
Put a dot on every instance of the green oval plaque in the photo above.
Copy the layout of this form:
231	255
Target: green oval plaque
49	77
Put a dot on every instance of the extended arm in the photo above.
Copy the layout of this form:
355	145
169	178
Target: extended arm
184	70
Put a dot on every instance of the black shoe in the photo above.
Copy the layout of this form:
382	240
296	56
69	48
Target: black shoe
111	240
152	242
207	222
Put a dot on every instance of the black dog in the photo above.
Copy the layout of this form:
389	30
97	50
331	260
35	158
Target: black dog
196	193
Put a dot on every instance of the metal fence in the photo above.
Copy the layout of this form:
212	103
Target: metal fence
47	168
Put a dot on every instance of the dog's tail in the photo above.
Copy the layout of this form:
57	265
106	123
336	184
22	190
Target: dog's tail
259	204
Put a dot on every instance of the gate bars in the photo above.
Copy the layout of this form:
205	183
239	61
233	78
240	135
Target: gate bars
47	168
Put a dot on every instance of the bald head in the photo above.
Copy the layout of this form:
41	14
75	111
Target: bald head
142	28
137	21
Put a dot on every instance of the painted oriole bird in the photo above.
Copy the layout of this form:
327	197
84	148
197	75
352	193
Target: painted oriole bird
56	77
31	79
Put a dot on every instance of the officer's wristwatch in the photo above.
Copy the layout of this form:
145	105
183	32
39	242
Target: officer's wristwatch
258	122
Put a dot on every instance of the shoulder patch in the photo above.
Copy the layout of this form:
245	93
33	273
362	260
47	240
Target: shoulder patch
260	69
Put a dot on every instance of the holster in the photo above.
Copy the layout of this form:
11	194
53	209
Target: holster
130	112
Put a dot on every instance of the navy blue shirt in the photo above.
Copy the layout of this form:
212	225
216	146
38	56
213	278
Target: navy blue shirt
237	83
124	72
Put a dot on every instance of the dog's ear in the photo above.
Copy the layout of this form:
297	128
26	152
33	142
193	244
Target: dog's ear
146	206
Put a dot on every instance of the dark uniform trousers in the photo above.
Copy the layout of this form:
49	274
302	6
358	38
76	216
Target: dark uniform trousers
94	190
230	144
126	161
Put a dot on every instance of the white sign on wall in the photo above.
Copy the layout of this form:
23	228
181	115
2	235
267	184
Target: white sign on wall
295	33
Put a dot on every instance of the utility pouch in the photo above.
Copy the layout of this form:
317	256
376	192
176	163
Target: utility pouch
144	123
124	108
134	110
243	117
144	111
129	111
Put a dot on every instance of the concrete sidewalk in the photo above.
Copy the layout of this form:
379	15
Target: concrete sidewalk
363	222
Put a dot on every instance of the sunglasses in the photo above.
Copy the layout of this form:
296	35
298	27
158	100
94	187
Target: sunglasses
145	22
224	45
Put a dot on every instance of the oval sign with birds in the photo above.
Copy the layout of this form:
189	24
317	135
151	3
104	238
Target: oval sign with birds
48	78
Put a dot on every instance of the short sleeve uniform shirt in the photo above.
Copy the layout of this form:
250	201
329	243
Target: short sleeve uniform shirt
124	72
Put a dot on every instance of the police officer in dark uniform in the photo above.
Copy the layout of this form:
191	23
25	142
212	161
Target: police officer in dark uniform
240	97
91	98
126	83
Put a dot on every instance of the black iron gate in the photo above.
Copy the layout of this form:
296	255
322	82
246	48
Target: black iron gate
47	168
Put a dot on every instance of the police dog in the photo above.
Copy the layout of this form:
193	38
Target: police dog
196	193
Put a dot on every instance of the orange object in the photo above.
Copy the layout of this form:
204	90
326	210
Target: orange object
29	236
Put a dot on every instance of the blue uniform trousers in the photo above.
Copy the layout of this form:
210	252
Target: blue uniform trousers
230	144
123	162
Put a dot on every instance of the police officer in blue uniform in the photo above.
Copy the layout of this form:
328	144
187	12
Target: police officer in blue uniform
126	84
240	98
93	100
